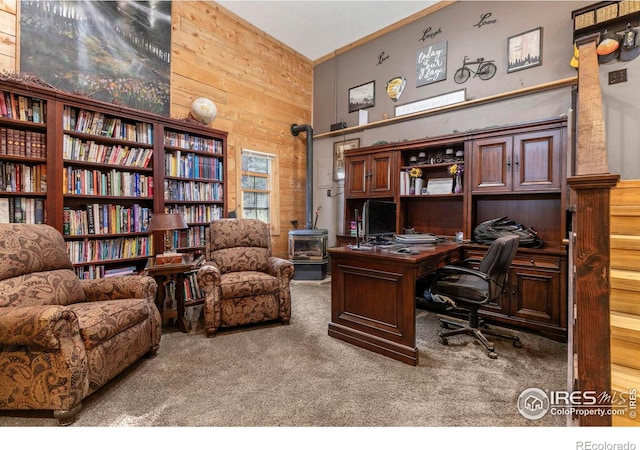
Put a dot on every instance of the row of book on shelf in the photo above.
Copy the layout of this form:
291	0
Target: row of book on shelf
99	124
80	150
14	142
105	218
21	107
192	290
97	250
196	213
192	237
111	183
22	210
16	177
191	165
181	190
101	271
190	142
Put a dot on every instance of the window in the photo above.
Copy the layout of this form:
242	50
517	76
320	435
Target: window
258	187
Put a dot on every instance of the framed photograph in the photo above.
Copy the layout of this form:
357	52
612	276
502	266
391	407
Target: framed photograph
524	50
338	156
363	96
440	185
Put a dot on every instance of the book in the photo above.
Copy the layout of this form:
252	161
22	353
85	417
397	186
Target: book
22	107
4	210
3	141
3	105
66	221
39	211
18	210
36	107
90	220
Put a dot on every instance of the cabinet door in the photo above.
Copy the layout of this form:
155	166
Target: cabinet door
537	160
356	176
536	296
381	178
492	159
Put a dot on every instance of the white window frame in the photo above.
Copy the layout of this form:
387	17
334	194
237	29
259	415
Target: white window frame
272	182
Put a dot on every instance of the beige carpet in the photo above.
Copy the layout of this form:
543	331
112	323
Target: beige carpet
296	375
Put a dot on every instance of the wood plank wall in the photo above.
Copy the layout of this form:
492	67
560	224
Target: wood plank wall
625	291
8	34
259	85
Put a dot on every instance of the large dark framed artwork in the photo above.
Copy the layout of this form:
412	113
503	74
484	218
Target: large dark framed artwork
363	96
115	51
524	50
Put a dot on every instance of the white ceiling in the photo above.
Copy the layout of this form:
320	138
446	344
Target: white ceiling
318	28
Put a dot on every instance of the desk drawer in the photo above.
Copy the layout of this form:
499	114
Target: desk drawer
540	262
524	260
430	265
427	267
451	258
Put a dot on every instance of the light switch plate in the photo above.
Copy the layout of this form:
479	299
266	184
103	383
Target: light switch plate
617	76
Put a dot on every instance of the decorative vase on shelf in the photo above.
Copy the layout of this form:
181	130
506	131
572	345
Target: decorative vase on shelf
412	186
457	186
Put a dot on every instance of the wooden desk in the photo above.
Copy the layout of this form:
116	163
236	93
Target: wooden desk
373	296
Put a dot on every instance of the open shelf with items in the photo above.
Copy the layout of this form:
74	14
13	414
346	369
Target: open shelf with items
432	179
90	168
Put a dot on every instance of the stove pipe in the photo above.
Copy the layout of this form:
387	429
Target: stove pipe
295	130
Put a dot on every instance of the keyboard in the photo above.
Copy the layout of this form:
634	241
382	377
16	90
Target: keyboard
420	238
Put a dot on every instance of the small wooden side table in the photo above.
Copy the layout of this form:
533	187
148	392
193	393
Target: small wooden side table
164	274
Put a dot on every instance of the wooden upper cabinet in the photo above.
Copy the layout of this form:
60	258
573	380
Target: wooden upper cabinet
522	162
370	175
538	159
492	164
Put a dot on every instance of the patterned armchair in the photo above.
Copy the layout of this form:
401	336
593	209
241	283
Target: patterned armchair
61	338
243	282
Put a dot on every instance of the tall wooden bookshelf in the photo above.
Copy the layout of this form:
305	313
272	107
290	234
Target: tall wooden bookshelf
98	171
193	182
23	157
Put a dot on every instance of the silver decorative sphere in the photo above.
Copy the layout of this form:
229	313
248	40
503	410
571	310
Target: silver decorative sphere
204	110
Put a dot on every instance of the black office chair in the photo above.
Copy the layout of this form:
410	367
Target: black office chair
470	289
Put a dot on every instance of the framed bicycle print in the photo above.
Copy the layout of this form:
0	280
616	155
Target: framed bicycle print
524	50
338	156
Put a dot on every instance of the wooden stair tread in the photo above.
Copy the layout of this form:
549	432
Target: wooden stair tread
625	241
624	320
625	279
625	327
625	210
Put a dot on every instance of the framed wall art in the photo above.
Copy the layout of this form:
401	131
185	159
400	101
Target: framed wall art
113	51
363	96
431	64
524	50
338	156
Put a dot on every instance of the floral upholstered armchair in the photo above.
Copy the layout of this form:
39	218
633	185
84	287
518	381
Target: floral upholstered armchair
61	338
243	282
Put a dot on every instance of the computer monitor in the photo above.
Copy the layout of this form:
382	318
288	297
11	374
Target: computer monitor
379	219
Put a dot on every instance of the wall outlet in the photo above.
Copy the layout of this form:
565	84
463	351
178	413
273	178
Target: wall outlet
328	192
617	76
